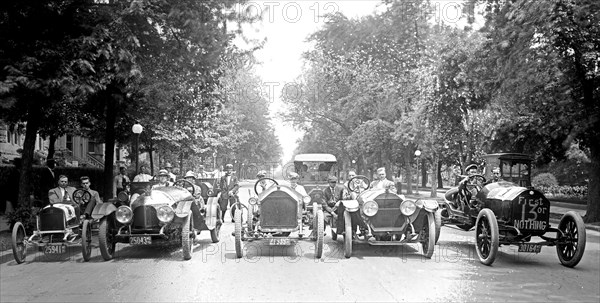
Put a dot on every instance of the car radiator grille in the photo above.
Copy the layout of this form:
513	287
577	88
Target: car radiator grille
389	214
144	217
279	210
52	219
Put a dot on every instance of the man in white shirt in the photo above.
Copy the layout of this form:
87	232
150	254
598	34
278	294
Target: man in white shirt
120	181
383	183
143	176
294	184
172	176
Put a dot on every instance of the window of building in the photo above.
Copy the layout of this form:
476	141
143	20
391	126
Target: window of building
70	142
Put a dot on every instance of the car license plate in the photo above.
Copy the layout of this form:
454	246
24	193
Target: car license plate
55	249
283	241
530	248
145	240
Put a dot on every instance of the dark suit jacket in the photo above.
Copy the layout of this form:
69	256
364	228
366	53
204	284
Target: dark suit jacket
55	194
339	193
233	186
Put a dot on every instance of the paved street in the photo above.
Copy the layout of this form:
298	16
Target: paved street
385	273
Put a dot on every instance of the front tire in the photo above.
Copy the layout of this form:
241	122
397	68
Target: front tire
106	240
486	236
429	233
320	233
215	232
19	247
438	224
238	234
347	235
86	240
571	251
187	231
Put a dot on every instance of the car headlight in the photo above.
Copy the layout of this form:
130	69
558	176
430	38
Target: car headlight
306	199
253	200
210	192
124	214
408	207
370	208
165	213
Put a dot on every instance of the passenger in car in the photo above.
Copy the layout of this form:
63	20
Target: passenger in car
191	177
382	182
95	197
163	179
62	197
295	186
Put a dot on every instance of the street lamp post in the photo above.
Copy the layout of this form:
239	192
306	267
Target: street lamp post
214	160
417	154
137	130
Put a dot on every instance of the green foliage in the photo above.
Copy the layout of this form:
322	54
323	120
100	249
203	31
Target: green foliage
544	180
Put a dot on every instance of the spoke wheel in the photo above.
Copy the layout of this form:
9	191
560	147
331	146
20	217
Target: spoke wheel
86	240
187	232
347	235
428	235
570	250
215	232
19	247
238	234
486	236
106	240
320	233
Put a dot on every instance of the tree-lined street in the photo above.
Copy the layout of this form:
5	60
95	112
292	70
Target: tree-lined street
290	273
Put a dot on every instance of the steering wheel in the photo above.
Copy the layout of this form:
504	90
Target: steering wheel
475	182
358	184
82	196
186	184
267	180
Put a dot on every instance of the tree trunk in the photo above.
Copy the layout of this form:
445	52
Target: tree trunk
51	146
33	124
408	179
440	182
435	170
593	205
151	157
424	174
109	141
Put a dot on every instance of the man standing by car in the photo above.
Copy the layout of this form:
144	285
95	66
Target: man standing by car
94	199
62	197
120	181
383	183
229	188
143	175
172	176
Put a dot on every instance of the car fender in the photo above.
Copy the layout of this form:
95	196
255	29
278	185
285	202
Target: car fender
350	205
211	212
183	208
103	210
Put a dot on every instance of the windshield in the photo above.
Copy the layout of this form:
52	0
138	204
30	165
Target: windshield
315	171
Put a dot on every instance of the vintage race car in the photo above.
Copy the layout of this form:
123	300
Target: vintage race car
55	231
159	215
314	170
509	211
386	218
273	215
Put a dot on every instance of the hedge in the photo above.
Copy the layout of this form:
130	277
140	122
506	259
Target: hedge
9	181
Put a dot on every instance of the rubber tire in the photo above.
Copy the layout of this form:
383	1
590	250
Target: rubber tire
320	233
86	240
215	232
429	246
347	235
187	232
573	217
238	234
19	236
107	249
250	216
438	224
487	216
